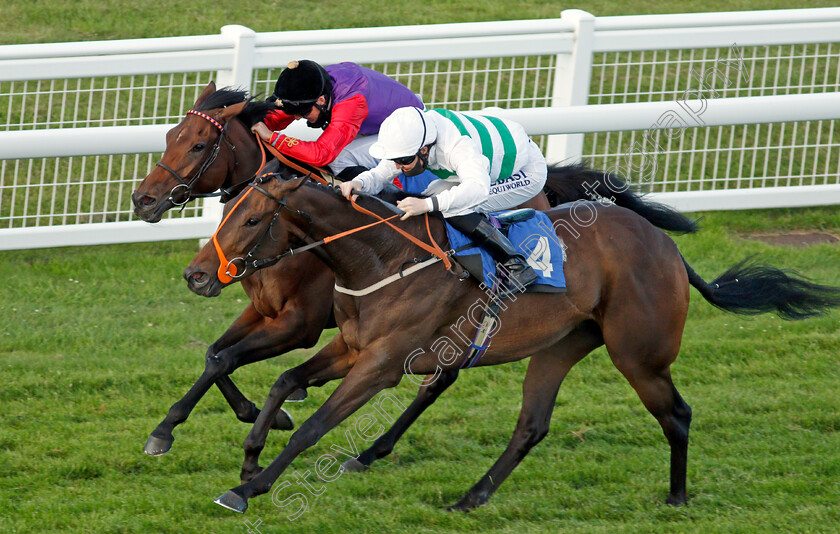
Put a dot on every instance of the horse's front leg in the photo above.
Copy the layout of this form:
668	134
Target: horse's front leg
371	374
249	339
297	326
333	361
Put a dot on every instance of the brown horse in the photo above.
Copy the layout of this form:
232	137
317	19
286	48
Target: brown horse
628	289
291	303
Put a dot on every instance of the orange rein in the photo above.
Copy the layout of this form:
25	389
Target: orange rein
227	270
320	177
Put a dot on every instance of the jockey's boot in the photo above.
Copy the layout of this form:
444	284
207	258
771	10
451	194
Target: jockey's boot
487	236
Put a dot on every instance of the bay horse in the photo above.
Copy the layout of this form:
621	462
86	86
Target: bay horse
627	289
290	303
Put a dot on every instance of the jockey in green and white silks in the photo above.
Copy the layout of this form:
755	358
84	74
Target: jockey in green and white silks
485	164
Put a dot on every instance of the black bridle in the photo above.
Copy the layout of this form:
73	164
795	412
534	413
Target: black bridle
184	187
249	259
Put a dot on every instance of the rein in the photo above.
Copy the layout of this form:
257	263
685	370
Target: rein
321	177
228	270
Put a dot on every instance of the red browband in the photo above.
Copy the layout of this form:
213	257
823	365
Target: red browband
213	121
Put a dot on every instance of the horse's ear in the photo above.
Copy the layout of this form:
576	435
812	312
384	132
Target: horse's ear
209	90
231	111
294	185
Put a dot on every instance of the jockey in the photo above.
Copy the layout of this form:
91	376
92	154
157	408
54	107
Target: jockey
347	101
483	165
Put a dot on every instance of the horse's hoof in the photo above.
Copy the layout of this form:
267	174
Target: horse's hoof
232	501
675	500
297	395
283	421
156	446
354	466
467	503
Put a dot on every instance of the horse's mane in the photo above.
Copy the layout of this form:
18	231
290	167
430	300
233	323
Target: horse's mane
223	98
254	111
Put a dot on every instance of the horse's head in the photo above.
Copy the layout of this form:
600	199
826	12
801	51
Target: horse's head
198	158
256	225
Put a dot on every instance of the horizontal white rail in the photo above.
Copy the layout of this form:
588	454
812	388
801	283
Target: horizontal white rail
106	140
413	50
114	65
106	233
754	198
716	37
415	32
537	121
674	114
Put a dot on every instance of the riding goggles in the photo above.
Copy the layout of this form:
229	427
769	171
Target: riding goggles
294	107
404	160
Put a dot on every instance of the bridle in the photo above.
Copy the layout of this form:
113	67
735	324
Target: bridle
184	187
228	270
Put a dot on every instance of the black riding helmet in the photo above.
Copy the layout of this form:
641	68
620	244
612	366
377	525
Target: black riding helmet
299	86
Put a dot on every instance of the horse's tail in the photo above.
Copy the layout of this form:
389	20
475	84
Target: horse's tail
750	288
567	183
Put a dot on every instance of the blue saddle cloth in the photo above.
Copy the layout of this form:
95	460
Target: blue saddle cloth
534	238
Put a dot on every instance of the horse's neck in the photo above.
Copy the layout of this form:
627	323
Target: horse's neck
368	255
247	157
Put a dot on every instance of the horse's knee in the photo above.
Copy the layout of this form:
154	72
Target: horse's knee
220	363
288	382
252	445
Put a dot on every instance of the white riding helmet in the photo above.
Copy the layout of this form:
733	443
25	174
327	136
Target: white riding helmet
403	134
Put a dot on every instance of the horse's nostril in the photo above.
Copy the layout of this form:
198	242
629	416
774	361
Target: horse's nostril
198	276
145	200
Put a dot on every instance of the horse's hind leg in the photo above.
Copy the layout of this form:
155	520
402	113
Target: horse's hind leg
383	446
663	401
645	362
546	372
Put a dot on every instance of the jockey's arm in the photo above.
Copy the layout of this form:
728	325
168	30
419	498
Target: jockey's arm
473	170
346	119
374	180
276	120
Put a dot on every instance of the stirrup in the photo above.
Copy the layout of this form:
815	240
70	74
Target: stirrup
520	275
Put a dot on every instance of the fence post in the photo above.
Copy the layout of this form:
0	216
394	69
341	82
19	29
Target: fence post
572	76
239	75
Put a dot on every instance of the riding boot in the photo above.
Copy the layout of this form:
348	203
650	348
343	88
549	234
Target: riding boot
482	232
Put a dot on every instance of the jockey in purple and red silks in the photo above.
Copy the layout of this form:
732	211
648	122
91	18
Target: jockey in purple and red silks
348	101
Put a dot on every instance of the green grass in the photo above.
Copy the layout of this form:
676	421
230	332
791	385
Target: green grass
98	342
43	21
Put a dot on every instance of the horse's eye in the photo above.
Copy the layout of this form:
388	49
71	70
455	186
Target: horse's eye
198	148
253	221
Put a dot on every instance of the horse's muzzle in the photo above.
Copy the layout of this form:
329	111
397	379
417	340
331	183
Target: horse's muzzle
202	283
148	208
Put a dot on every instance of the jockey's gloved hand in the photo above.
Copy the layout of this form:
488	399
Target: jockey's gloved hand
413	206
348	187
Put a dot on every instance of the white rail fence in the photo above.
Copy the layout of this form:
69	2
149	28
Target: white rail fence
706	111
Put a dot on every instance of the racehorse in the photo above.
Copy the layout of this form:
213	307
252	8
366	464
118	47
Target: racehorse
291	303
627	289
